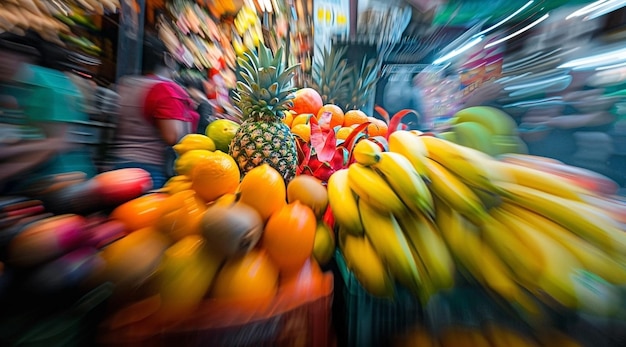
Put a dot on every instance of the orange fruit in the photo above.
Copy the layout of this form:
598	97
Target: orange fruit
307	100
250	276
130	260
288	118
305	283
215	176
141	212
185	163
343	133
354	117
377	127
264	189
336	114
301	119
181	214
302	130
309	191
289	236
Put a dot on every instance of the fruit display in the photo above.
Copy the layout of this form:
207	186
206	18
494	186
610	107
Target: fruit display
213	238
428	209
263	95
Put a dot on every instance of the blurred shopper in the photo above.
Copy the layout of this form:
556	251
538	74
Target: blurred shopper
155	112
198	90
19	156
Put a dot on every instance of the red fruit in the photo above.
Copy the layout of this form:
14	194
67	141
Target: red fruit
307	100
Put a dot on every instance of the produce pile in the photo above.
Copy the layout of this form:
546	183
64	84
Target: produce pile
428	208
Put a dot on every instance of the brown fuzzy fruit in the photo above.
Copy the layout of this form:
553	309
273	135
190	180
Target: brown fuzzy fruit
231	229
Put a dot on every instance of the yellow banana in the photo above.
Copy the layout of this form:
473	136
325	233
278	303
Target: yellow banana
427	287
475	255
323	244
541	180
511	250
366	152
185	275
405	182
365	264
500	336
497	121
582	219
424	236
383	231
556	278
449	188
343	202
470	165
411	146
590	256
372	188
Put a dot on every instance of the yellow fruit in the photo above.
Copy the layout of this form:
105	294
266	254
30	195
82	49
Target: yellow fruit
215	177
264	189
302	130
180	215
185	276
222	131
309	191
194	141
301	119
324	244
288	119
343	133
226	200
177	184
185	163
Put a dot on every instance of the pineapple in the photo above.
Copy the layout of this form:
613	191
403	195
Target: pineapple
341	83
331	75
362	84
264	91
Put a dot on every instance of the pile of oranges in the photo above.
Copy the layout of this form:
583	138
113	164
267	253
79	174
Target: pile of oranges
308	103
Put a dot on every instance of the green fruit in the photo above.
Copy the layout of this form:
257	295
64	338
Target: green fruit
506	144
474	135
448	135
222	131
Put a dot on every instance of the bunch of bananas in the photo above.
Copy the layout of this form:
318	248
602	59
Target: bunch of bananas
429	208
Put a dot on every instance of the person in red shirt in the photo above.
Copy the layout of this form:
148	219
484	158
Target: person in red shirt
154	114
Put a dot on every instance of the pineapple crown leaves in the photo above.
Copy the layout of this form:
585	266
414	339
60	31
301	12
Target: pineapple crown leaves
265	88
363	83
331	74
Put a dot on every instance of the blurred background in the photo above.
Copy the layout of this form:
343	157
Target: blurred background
545	79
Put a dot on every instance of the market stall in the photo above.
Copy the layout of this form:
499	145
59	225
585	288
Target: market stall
308	213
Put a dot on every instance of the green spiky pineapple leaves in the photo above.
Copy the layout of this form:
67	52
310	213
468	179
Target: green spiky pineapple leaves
265	87
340	83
